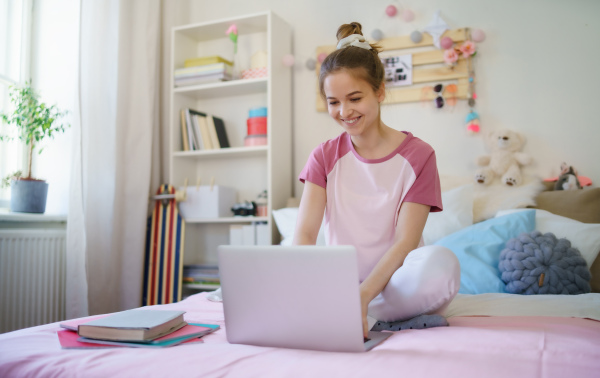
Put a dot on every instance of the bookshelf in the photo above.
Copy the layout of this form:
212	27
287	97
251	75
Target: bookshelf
249	170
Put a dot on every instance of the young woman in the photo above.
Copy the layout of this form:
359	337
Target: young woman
376	186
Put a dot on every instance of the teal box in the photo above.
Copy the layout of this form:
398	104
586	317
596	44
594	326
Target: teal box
257	112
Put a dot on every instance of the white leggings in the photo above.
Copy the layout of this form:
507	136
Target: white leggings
425	284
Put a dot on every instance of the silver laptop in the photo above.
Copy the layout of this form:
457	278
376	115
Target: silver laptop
301	297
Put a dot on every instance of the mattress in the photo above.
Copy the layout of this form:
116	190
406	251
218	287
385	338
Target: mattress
490	335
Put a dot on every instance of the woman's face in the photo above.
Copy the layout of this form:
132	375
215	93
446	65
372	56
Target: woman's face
352	103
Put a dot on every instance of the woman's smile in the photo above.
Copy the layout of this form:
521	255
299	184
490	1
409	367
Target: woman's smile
351	121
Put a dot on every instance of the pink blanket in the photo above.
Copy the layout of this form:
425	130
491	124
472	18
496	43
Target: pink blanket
508	346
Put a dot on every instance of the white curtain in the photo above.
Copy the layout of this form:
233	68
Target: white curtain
112	155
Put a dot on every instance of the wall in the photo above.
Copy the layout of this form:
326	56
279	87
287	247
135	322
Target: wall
536	73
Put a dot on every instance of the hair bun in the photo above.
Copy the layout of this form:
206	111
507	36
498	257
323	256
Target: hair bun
348	29
357	27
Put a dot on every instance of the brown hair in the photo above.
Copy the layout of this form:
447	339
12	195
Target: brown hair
365	64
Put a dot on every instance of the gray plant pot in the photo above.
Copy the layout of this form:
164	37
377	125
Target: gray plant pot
28	196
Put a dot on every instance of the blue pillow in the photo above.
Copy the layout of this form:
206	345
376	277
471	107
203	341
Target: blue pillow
478	250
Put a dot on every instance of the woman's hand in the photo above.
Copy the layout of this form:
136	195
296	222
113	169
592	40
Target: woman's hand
366	296
364	306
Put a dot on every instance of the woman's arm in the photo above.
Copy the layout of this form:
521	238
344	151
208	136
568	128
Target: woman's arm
411	221
310	214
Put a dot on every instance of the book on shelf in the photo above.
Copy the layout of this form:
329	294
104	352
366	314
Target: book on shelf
195	129
133	325
184	132
201	273
202	79
203	70
203	131
210	125
205	60
219	126
191	132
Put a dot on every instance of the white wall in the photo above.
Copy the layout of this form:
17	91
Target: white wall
536	73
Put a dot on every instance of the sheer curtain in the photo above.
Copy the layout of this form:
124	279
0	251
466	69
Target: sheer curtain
117	116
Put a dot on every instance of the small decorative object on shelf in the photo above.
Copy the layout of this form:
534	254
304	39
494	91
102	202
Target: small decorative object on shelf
258	66
257	127
244	209
207	201
262	204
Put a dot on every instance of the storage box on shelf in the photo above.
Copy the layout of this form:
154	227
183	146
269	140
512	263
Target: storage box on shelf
247	170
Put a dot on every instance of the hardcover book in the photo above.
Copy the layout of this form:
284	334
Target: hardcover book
133	325
200	61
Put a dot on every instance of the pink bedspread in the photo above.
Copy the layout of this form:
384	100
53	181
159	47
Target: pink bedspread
471	347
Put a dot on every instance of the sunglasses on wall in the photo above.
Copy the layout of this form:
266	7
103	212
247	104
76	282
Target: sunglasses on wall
439	100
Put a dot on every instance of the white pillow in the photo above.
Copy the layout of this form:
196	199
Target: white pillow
457	214
583	236
285	219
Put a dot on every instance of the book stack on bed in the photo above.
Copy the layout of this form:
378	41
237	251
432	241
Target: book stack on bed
138	328
203	70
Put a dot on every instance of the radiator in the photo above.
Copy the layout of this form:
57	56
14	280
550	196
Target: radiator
32	277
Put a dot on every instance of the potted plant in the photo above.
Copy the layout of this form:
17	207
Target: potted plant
34	121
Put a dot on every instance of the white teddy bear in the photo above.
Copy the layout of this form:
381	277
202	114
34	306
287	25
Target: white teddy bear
505	160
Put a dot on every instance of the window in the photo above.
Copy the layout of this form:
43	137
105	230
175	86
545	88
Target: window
15	47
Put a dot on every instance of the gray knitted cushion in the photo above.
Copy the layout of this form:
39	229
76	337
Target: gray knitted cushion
541	264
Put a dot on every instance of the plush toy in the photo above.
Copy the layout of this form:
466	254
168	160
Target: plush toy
505	159
568	178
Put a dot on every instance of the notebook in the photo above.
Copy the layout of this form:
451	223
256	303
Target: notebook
300	297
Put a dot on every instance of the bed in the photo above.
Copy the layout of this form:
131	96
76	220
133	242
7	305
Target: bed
491	334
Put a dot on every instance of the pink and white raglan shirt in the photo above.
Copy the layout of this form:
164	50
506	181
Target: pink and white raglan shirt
364	195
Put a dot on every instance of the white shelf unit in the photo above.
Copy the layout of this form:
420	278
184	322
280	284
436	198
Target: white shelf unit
249	170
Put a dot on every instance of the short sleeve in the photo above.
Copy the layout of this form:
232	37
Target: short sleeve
314	171
426	189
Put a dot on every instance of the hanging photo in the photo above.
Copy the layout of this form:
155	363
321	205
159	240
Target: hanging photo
398	70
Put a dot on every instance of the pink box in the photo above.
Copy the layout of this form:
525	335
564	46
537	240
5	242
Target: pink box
254	73
255	140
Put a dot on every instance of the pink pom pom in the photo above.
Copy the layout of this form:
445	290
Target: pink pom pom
408	15
477	35
321	57
391	10
446	43
288	60
473	128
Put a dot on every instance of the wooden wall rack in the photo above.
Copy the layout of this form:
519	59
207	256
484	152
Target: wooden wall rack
426	68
